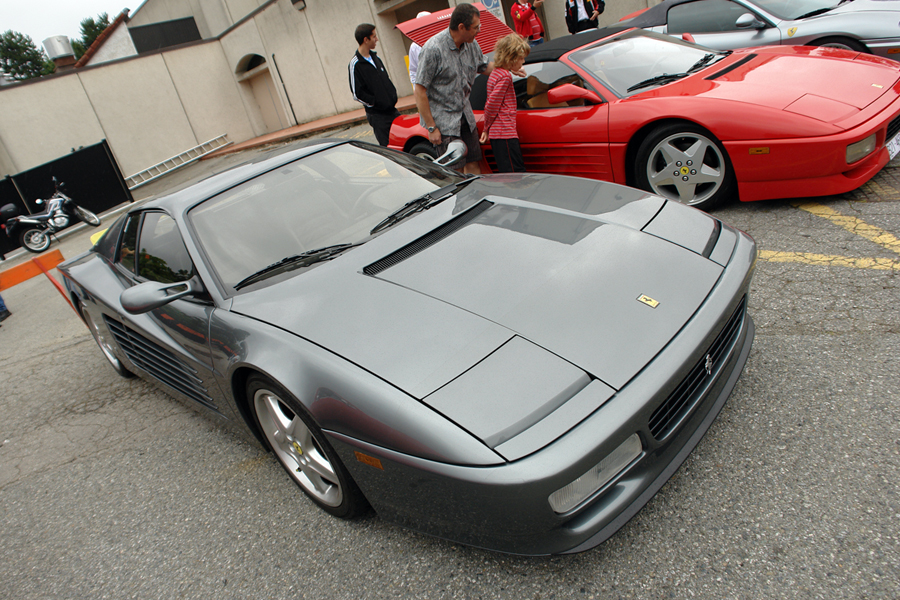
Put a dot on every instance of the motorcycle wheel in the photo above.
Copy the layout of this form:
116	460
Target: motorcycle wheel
87	216
34	240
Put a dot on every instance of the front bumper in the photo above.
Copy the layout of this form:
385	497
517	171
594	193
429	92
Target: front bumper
505	508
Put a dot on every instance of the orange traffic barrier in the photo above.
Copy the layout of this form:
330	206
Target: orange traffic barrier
25	271
38	264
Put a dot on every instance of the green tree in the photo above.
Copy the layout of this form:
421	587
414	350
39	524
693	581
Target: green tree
90	30
20	59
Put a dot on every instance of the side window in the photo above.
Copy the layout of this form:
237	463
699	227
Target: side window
162	255
704	16
531	91
129	242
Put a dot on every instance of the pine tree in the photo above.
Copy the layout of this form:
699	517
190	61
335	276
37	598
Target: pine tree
20	59
90	30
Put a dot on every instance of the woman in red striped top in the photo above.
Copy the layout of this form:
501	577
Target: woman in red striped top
500	108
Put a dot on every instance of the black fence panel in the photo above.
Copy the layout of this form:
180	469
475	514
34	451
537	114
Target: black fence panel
90	176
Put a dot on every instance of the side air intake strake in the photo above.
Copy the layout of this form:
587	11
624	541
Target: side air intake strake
666	418
458	222
159	362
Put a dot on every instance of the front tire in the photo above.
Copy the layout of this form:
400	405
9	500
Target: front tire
105	346
685	163
842	43
87	216
301	448
34	240
424	150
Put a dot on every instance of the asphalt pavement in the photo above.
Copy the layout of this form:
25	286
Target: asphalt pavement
109	488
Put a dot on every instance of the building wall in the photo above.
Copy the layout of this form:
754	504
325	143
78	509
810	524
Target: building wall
117	45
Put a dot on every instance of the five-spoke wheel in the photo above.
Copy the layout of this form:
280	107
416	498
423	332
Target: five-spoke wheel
302	450
686	163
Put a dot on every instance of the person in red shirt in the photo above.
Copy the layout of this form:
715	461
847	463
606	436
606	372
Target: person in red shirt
500	107
528	25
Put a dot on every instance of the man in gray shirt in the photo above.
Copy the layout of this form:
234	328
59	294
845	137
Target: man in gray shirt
448	64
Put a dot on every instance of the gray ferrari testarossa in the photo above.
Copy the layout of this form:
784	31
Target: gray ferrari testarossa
515	362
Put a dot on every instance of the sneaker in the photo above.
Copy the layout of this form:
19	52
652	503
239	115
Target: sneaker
4	315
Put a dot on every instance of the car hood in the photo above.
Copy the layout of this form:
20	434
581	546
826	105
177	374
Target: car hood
561	265
799	80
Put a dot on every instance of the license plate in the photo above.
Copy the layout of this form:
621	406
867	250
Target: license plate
893	145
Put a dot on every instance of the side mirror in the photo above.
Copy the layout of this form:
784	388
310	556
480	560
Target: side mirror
568	92
748	21
456	152
151	295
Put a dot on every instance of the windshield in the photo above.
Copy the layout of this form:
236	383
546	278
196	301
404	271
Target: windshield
793	9
639	56
332	197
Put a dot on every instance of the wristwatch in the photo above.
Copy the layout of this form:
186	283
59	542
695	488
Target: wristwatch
431	129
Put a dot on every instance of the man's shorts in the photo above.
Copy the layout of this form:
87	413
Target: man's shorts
470	138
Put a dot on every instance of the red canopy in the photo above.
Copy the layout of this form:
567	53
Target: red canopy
420	30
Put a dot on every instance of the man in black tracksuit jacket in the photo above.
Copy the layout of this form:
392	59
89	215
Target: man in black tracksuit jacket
371	86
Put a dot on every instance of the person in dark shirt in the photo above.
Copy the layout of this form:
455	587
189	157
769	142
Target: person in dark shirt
371	86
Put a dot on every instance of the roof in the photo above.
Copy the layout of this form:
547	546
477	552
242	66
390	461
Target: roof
554	49
101	39
655	15
422	29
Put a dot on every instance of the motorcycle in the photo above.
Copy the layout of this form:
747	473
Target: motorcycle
34	231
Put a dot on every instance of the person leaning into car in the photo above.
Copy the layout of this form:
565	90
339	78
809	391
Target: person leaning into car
371	86
582	15
448	65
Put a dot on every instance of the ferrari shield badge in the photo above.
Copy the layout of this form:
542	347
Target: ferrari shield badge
648	301
792	31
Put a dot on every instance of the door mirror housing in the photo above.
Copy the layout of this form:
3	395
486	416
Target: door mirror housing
151	295
568	92
748	21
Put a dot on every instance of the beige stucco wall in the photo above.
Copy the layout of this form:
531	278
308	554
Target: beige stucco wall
209	97
117	45
44	120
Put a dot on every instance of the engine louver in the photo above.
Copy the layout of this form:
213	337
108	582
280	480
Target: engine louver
666	418
427	240
159	363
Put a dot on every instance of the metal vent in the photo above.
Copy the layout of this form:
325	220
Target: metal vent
666	418
428	240
159	362
731	68
893	128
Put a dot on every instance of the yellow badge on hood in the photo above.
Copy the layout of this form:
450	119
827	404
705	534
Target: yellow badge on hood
792	31
648	301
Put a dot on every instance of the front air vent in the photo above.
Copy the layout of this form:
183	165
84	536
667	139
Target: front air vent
429	239
159	363
731	67
671	413
893	128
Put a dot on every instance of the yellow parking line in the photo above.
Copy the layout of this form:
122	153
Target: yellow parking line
880	264
854	225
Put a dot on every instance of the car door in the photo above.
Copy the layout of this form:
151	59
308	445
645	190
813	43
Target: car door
564	139
713	24
170	344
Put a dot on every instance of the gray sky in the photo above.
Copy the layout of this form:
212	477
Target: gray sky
41	19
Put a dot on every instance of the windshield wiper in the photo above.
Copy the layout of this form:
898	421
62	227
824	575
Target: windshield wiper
304	259
818	11
423	202
707	58
659	79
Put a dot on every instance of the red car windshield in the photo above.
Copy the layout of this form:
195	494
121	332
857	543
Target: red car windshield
640	59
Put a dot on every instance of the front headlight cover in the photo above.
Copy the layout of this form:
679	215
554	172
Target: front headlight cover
861	149
565	499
